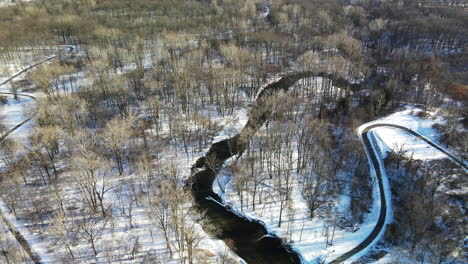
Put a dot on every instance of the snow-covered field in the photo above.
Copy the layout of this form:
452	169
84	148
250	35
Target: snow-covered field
388	139
10	245
4	3
307	236
15	112
317	239
11	114
231	125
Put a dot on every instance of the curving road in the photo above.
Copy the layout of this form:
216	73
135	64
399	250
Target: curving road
9	222
11	130
259	113
235	145
379	228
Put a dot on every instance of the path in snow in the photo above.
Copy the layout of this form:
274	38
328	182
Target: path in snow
377	137
368	139
24	237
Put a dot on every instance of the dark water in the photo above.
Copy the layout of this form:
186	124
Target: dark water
248	238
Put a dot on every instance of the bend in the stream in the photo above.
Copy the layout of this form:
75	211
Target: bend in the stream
249	238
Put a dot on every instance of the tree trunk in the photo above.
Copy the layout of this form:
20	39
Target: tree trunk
70	251
94	248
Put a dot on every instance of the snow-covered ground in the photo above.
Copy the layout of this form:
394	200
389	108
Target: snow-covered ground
231	125
15	112
109	243
9	243
38	245
392	139
307	235
398	140
4	3
11	114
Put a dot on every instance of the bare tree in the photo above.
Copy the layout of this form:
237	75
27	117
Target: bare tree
63	232
90	227
159	210
47	139
116	136
315	186
92	179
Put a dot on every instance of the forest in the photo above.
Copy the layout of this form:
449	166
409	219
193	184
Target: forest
233	131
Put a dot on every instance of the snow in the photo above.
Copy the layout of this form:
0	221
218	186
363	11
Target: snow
396	139
9	243
266	9
15	112
371	219
4	3
394	258
11	114
109	243
307	235
399	140
386	139
232	125
37	244
150	237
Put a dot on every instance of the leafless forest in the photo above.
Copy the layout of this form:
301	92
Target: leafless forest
125	96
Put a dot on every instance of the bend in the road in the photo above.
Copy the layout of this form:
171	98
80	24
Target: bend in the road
385	197
14	230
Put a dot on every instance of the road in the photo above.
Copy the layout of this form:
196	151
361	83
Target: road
385	198
11	130
371	239
6	217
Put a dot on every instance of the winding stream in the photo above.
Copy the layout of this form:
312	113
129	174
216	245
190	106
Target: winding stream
248	238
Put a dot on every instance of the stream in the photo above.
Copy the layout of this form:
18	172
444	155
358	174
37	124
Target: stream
248	238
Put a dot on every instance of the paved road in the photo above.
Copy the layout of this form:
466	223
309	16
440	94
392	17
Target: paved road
379	227
11	130
373	236
16	233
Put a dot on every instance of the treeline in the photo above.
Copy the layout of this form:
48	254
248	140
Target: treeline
158	72
105	22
